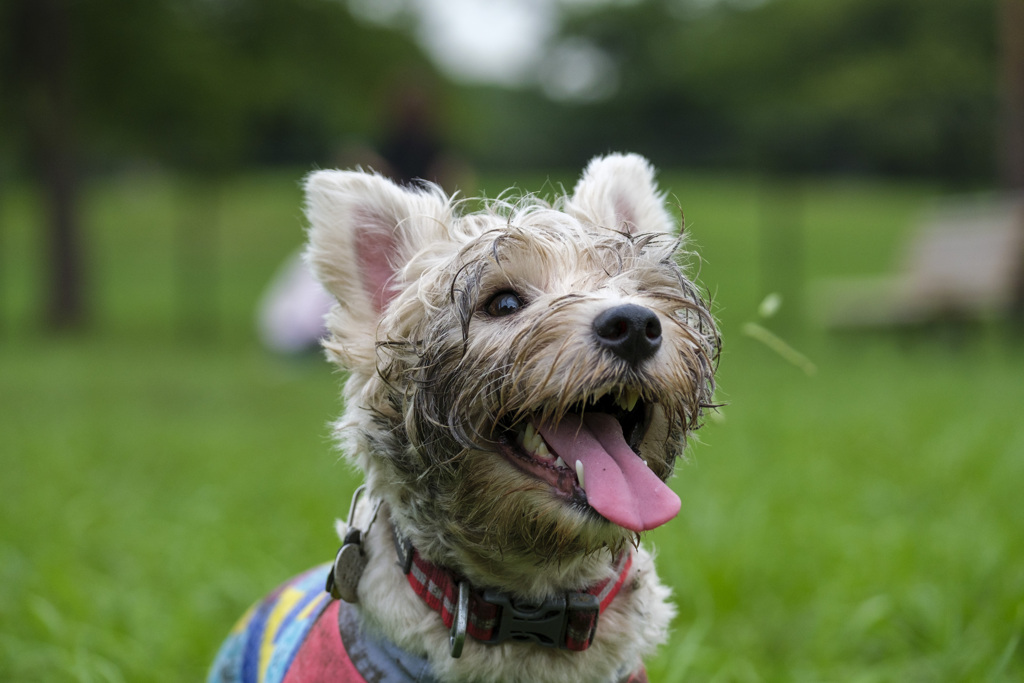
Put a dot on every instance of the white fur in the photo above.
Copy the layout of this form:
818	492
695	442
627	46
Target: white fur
629	631
381	250
618	191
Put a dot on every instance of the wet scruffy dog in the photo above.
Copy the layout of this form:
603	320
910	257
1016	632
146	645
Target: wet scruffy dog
522	383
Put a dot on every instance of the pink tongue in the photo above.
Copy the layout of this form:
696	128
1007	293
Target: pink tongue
618	484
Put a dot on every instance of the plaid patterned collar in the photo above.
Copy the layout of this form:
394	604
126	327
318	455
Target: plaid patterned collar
566	621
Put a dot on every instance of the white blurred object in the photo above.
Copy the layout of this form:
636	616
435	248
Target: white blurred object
291	311
964	261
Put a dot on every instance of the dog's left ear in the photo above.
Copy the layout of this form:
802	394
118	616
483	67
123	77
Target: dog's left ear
618	191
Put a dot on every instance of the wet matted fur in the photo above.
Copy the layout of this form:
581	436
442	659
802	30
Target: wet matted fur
466	335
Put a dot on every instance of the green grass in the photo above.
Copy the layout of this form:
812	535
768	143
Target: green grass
162	472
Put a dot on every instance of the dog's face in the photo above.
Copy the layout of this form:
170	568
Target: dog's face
522	379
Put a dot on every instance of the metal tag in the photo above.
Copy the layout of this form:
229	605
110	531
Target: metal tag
351	560
348	567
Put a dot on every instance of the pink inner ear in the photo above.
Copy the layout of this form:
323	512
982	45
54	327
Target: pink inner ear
376	250
624	214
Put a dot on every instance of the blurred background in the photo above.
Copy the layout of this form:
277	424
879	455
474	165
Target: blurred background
850	173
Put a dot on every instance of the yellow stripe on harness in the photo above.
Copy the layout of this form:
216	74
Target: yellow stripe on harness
286	601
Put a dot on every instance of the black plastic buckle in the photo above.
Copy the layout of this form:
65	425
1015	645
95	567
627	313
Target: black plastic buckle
545	624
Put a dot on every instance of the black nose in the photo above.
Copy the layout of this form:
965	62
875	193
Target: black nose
631	332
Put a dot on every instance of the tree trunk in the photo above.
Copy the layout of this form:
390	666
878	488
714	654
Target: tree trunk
1011	144
1011	134
44	53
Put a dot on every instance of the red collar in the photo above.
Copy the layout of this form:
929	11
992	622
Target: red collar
566	621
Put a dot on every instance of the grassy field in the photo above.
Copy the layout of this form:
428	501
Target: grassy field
162	472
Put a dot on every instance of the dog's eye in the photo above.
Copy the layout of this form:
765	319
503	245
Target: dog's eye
503	303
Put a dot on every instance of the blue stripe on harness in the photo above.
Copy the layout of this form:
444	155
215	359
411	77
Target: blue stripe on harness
263	644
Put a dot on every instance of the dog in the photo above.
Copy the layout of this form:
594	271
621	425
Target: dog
522	381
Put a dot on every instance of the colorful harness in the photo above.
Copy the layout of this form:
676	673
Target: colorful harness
301	633
298	634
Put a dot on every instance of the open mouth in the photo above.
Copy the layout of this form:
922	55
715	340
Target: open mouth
590	456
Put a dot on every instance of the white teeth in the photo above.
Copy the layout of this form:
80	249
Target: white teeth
533	443
645	464
634	396
525	436
561	463
579	474
542	451
627	399
528	438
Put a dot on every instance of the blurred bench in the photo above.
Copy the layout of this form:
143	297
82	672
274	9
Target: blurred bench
965	261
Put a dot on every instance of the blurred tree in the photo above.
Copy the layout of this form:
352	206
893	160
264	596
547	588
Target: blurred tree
195	85
890	86
1011	25
210	85
38	78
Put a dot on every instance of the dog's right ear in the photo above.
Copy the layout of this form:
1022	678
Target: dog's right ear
363	229
619	192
